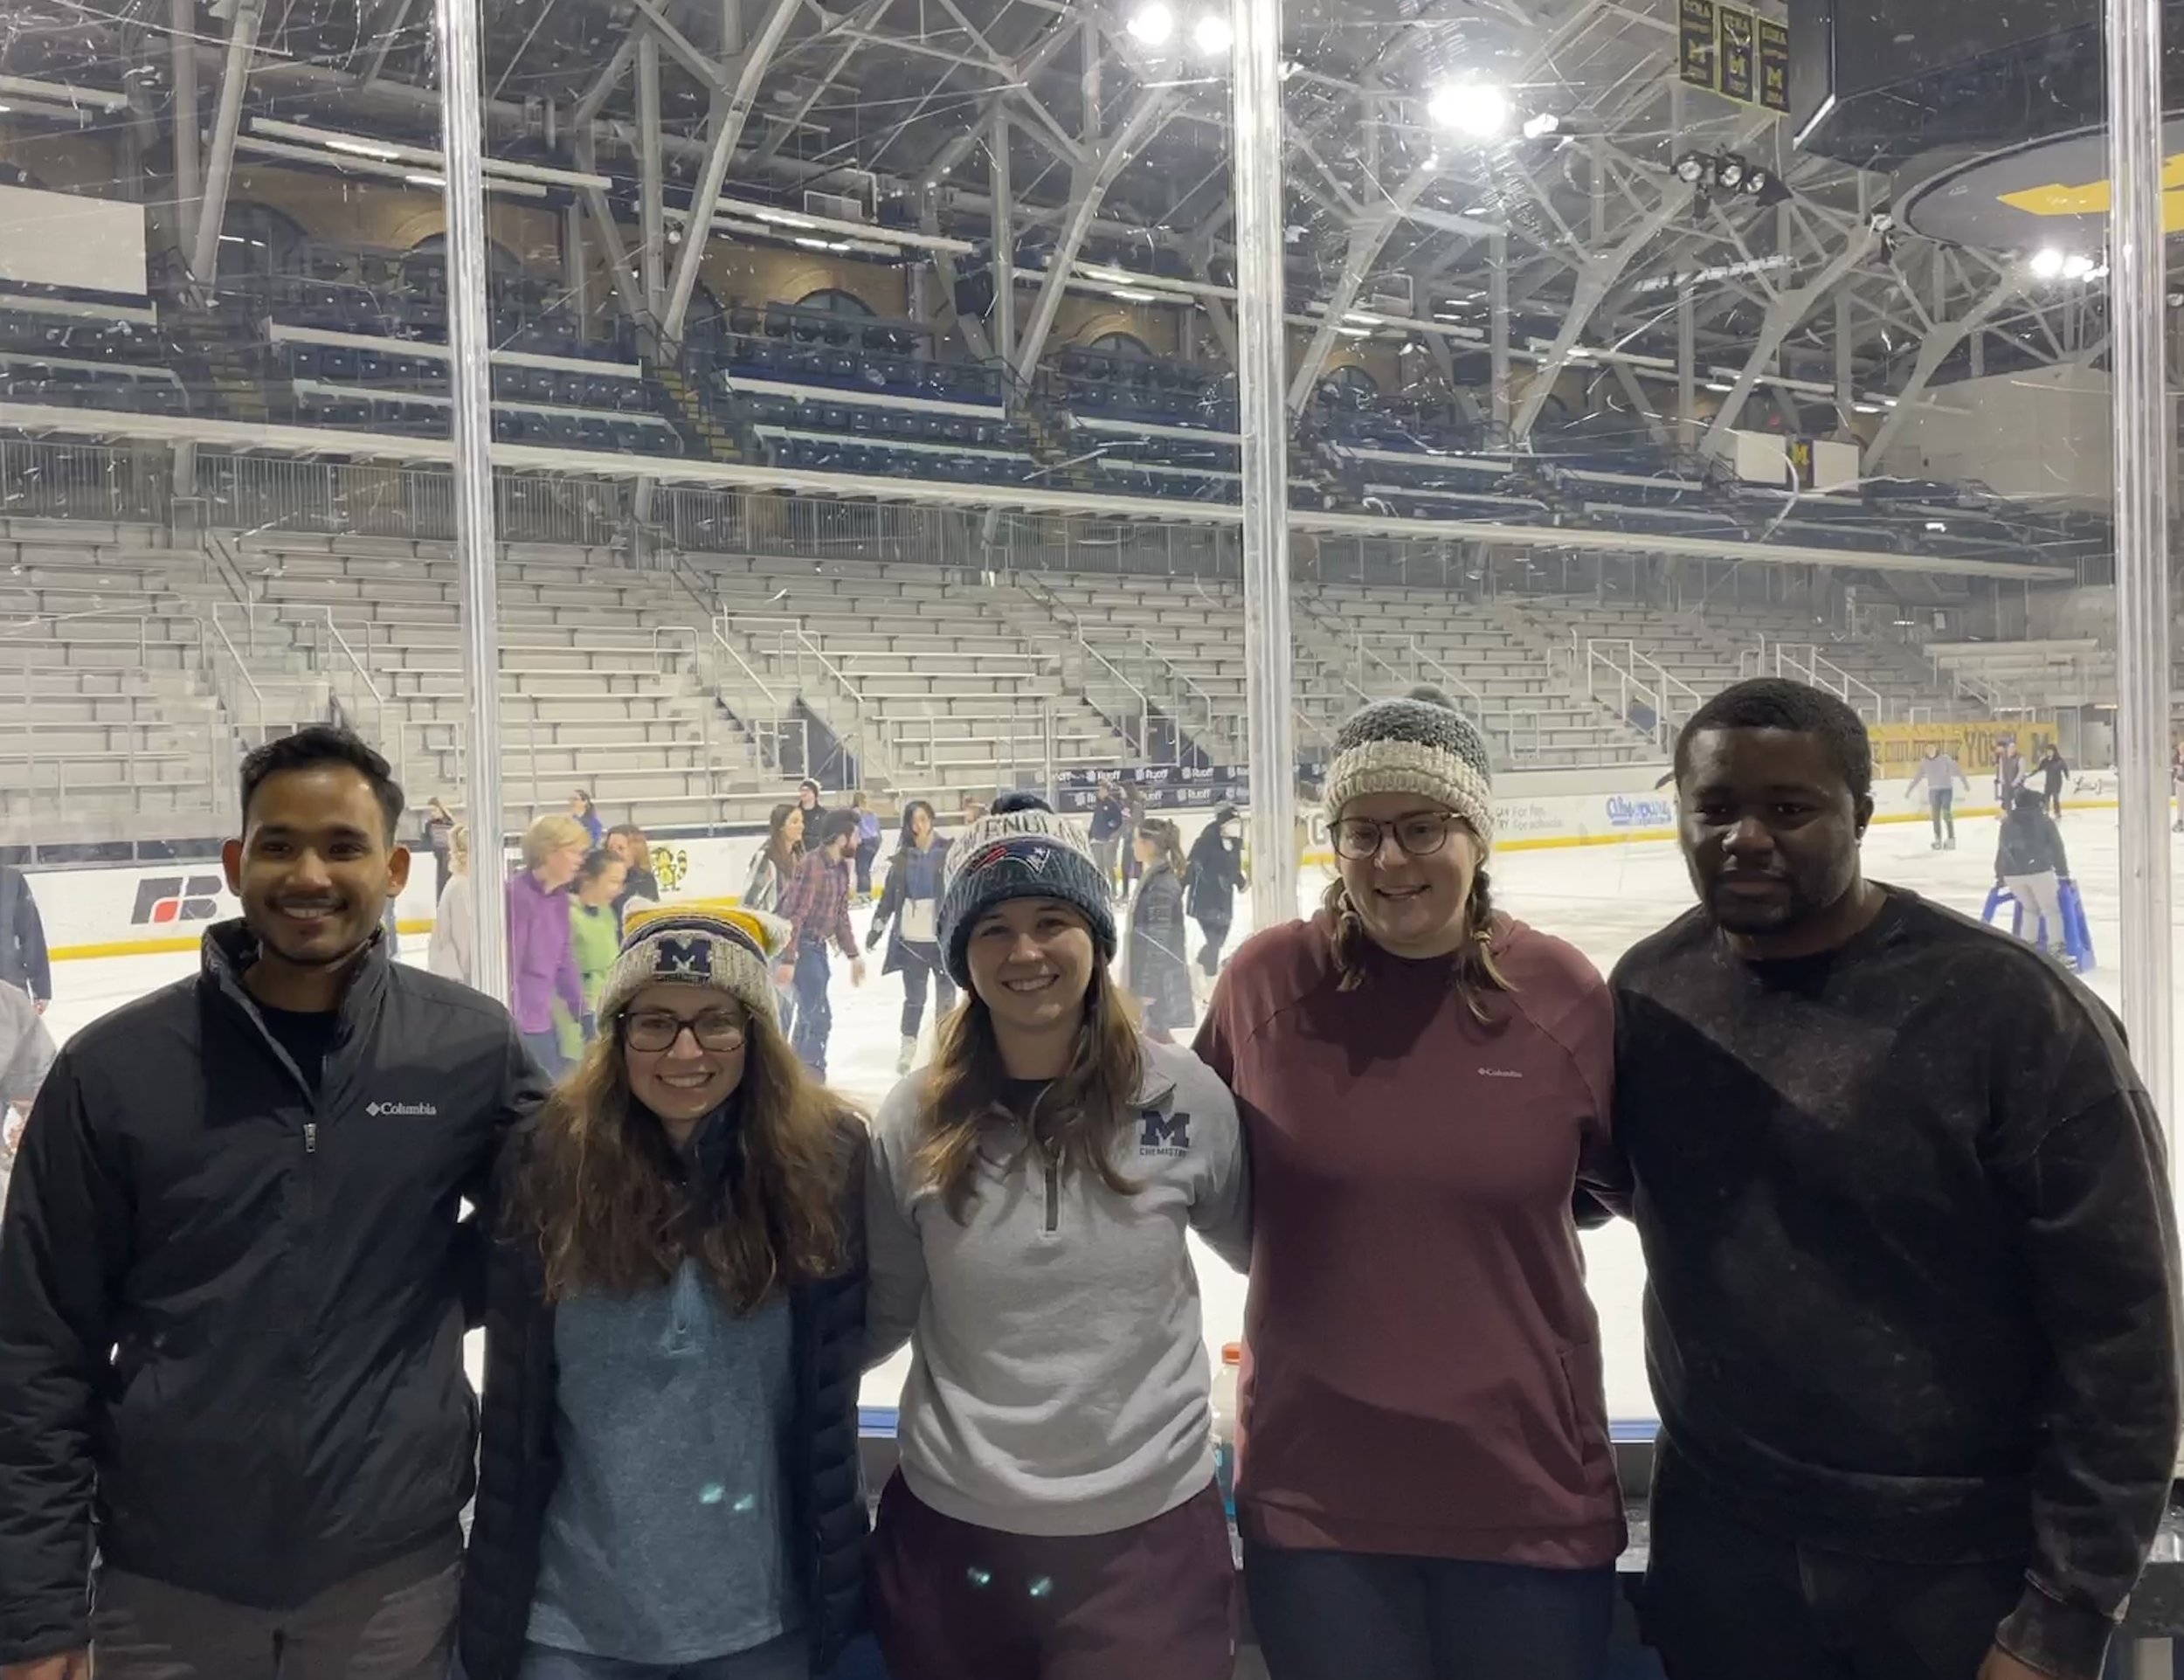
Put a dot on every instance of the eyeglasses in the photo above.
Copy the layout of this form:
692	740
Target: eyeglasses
658	1029
1358	838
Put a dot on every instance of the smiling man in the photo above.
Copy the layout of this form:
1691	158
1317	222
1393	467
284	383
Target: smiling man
1910	1301
230	1311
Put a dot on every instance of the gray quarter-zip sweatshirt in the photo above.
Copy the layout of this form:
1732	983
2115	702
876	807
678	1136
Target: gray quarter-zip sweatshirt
1059	1382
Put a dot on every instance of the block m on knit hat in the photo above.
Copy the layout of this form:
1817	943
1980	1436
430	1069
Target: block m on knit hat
1022	849
716	945
1418	744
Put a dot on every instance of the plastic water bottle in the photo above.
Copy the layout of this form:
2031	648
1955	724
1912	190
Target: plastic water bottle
1225	1424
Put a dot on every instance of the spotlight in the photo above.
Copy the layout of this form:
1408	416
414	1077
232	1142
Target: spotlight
2047	263
1152	24
1730	170
1692	166
2076	267
1471	108
1211	35
1540	125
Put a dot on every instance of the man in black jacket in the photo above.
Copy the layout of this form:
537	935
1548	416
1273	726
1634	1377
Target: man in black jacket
232	1280
25	963
1911	1291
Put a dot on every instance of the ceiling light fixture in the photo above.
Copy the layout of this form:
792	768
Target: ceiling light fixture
2047	263
1152	24
1471	109
1211	35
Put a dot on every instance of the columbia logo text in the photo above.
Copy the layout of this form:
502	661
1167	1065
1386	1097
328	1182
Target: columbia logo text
402	1111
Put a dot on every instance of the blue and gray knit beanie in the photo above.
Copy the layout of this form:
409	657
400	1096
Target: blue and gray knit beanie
1022	849
1418	744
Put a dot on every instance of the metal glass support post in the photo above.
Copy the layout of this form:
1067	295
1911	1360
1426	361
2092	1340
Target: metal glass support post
470	383
1255	82
2135	314
1004	194
650	220
189	173
1498	328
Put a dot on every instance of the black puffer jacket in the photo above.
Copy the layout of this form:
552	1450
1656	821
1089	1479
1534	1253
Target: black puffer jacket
2031	844
1216	873
519	1461
231	1305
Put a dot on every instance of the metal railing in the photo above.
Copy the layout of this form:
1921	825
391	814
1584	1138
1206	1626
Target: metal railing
1637	689
786	643
329	655
1807	664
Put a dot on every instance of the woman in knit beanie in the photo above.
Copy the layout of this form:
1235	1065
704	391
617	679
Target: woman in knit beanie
1425	1487
1030	1194
668	1472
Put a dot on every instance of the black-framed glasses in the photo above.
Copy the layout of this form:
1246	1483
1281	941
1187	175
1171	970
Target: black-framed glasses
658	1029
1358	838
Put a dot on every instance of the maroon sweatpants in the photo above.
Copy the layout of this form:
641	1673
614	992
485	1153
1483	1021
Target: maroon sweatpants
953	1602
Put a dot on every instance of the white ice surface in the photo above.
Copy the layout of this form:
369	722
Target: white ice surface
1602	899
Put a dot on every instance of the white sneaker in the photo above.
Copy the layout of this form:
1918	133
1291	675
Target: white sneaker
908	1055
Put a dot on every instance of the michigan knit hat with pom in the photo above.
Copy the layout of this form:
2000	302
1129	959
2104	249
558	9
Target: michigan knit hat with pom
1023	848
1418	744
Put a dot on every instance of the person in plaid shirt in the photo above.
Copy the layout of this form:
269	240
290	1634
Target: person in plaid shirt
816	908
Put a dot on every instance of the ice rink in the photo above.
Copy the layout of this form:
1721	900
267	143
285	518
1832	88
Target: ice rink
1601	898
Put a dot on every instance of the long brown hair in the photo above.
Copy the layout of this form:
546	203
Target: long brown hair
784	855
603	1194
1163	834
1073	1122
1472	968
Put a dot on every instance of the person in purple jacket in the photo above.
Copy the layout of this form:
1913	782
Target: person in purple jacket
542	961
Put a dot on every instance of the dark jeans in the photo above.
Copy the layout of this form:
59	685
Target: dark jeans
950	1600
922	964
1725	1601
545	1048
2055	801
1210	955
866	851
814	1015
1943	801
1342	1615
393	1622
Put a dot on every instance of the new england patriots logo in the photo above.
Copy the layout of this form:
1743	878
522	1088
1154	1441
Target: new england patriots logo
1036	858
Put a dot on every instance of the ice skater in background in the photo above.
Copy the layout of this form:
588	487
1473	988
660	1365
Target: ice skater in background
583	811
1215	876
541	959
595	935
2032	866
816	907
667	1479
448	953
2053	773
911	902
868	850
1105	830
1156	966
2009	772
1941	774
1055	1516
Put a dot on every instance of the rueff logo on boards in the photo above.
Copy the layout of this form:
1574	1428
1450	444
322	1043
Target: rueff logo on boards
162	899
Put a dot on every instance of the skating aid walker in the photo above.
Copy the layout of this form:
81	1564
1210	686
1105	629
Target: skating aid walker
2077	939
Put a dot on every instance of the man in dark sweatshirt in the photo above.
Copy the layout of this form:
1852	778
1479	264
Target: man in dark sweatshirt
1912	1296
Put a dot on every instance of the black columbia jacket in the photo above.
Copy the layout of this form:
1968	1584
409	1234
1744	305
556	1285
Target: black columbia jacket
232	1312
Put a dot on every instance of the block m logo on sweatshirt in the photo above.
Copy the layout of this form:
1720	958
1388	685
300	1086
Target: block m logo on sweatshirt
162	899
1164	1134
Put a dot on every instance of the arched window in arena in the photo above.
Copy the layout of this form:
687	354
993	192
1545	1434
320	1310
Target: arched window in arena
1350	386
833	300
1123	347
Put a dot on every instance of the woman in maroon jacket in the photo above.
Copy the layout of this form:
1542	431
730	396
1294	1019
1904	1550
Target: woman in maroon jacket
1424	1484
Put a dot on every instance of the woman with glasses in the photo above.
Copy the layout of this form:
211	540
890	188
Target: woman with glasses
668	1486
1425	1485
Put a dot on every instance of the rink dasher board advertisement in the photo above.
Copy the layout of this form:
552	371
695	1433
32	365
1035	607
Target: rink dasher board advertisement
91	912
